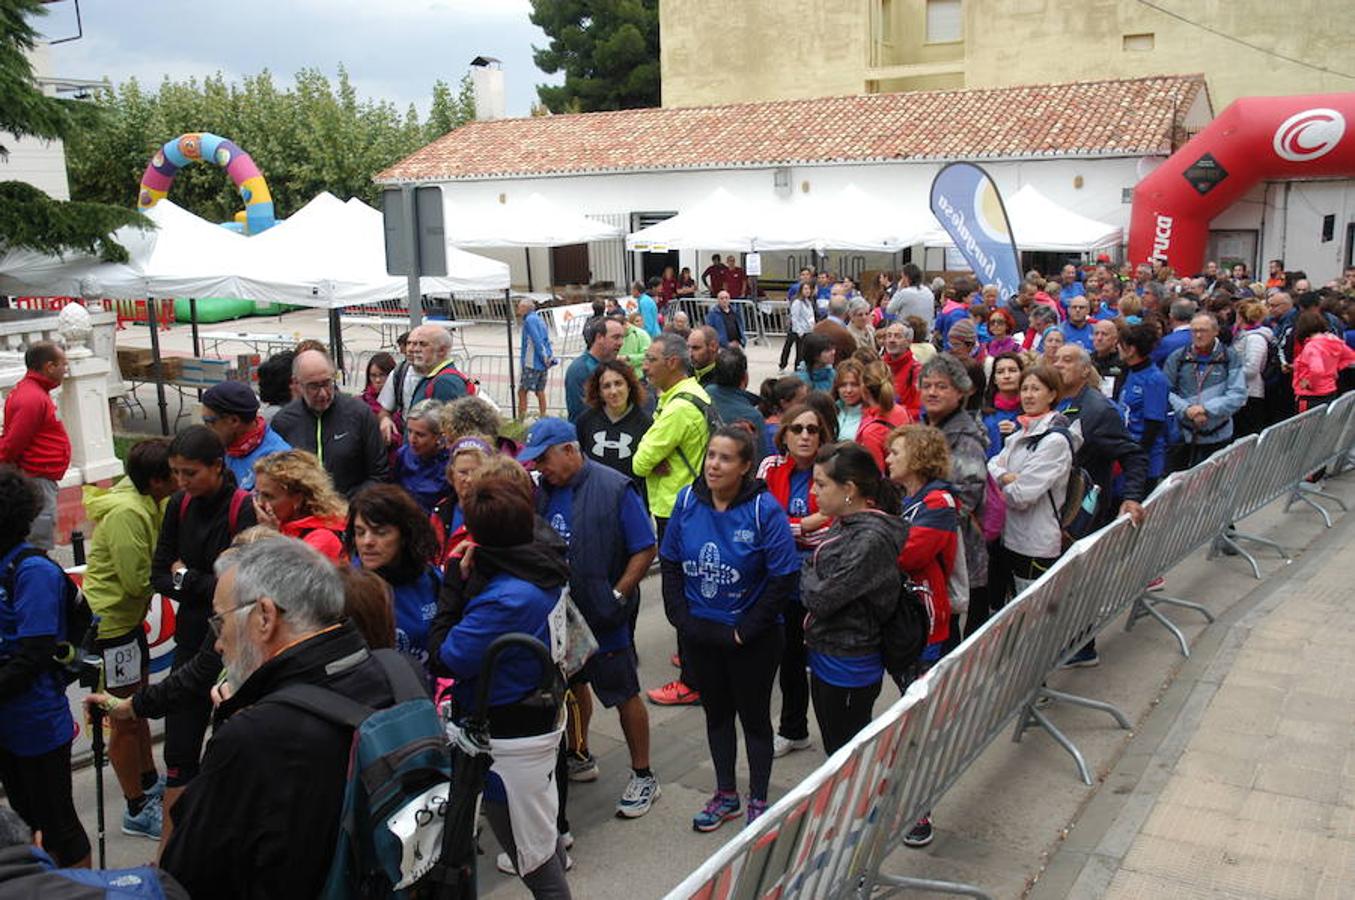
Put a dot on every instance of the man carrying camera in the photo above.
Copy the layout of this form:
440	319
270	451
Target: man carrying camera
36	728
117	585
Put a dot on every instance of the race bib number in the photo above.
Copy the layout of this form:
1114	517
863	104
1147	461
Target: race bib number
123	665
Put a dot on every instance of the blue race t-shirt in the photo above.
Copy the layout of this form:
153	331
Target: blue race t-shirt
416	603
797	504
847	671
635	525
1144	399
728	556
39	719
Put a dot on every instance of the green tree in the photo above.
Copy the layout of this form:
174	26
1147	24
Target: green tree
608	50
28	217
318	135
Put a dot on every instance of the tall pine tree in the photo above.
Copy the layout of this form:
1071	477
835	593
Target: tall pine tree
608	50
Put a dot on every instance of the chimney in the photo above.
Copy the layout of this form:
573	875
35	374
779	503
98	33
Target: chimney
486	76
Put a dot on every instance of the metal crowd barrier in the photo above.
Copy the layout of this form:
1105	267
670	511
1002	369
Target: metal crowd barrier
829	836
696	309
490	370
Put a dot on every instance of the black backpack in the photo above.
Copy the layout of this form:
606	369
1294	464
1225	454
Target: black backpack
903	633
714	422
79	632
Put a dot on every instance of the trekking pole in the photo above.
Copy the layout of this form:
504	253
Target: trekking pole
96	718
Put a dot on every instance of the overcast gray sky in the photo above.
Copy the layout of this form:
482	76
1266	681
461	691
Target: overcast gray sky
393	49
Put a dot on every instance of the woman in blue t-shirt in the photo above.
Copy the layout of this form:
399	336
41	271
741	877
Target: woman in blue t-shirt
728	561
388	534
36	727
849	587
421	464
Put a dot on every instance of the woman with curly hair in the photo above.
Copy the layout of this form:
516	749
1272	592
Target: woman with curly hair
477	416
611	426
388	534
294	496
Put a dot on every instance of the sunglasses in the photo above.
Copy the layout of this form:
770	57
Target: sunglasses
811	430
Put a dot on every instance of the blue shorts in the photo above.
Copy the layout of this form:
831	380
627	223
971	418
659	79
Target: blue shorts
533	380
614	676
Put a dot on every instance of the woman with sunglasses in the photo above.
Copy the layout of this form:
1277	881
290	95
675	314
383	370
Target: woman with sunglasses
1002	334
789	477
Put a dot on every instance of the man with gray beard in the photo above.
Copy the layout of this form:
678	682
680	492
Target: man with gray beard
262	817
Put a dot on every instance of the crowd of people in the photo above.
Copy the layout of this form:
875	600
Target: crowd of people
926	438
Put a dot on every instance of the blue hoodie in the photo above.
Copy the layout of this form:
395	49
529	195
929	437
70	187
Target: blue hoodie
507	604
425	478
38	720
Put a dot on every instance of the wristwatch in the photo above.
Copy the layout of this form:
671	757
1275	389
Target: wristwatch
178	578
620	597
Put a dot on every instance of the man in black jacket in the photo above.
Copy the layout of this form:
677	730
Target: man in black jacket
337	428
262	817
1105	441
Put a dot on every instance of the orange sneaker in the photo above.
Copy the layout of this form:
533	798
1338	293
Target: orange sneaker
674	693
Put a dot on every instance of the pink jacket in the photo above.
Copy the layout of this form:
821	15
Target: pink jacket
1318	363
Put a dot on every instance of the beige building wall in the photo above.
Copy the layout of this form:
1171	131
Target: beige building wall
726	51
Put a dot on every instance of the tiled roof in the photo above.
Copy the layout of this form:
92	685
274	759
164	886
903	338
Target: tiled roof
1091	118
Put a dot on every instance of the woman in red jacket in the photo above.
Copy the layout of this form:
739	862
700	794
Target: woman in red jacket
880	415
790	477
293	493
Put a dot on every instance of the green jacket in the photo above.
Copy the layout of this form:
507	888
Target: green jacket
678	425
118	567
633	349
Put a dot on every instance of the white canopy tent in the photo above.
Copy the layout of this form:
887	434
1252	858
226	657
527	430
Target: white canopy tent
532	221
1039	223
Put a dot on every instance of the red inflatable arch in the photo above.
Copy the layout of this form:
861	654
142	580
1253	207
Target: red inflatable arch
1255	138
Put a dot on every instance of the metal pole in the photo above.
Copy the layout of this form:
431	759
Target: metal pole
412	233
193	321
156	369
527	254
512	373
336	341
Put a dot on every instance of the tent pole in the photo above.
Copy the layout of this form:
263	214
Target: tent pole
512	372
156	369
193	320
336	341
527	255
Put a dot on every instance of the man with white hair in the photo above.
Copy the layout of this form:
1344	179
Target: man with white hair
430	353
273	772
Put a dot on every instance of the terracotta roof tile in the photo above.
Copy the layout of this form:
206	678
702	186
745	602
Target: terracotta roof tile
1135	116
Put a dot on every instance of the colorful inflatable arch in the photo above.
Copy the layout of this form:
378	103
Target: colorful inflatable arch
181	151
1254	139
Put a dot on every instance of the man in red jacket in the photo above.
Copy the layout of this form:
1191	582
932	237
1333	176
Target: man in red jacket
898	355
34	440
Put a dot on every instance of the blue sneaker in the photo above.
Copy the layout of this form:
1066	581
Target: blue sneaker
721	807
146	823
157	790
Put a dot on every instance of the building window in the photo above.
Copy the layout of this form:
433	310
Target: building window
945	22
1138	43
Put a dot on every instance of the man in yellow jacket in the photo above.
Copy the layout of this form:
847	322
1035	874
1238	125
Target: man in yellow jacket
671	455
117	584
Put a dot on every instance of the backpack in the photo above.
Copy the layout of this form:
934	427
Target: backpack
232	515
430	382
399	778
80	622
904	631
1272	370
1077	516
992	514
714	423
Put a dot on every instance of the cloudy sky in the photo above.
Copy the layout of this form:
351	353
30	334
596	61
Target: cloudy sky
393	49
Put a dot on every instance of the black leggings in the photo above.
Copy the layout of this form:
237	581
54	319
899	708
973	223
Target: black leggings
186	724
792	340
794	682
738	682
841	712
38	788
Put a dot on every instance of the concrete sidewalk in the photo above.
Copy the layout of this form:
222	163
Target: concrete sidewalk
1251	790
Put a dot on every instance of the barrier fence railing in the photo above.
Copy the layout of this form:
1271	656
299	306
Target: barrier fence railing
696	309
829	835
492	373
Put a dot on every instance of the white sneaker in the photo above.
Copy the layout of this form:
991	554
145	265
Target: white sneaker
505	865
638	797
783	745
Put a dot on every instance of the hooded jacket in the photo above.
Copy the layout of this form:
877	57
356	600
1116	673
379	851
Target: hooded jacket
678	437
511	589
968	442
928	555
851	583
730	571
423	477
262	817
345	437
1214	380
117	580
1319	362
1041	461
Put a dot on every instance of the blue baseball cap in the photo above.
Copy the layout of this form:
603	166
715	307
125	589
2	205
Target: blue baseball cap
546	433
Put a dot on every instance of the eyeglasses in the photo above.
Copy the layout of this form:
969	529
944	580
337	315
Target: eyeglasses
811	430
316	387
218	621
210	420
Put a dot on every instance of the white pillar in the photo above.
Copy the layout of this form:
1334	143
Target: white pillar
84	412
